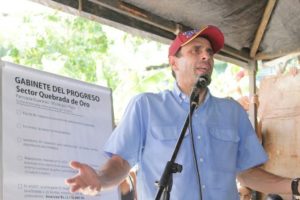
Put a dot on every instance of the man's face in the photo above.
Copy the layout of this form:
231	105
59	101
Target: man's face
196	58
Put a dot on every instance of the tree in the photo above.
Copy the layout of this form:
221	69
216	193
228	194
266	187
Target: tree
73	43
86	50
83	49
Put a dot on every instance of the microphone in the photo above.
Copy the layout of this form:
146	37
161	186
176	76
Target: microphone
202	82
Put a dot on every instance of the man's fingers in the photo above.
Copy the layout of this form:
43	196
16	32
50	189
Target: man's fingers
70	180
75	165
85	181
95	188
89	190
76	188
76	184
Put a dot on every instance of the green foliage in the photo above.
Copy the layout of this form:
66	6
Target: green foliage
136	42
76	41
2	51
111	76
220	66
79	48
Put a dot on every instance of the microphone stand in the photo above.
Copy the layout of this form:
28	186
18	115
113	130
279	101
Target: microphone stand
166	180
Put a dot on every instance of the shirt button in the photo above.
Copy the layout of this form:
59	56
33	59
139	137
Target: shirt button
203	186
199	137
201	159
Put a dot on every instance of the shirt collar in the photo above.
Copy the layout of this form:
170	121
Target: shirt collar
179	94
181	97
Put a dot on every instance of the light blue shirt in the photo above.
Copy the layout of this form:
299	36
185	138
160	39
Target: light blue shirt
225	144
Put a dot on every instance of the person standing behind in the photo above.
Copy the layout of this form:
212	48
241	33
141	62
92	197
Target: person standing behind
245	193
273	197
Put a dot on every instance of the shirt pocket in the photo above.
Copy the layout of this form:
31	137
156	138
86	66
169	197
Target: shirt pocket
161	140
225	135
222	149
160	143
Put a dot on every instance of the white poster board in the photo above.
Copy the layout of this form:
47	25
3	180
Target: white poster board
46	121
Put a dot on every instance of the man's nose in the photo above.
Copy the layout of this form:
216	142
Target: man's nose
205	55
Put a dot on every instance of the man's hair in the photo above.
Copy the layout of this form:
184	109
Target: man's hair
178	55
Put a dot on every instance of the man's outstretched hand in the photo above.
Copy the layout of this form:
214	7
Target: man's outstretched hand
86	181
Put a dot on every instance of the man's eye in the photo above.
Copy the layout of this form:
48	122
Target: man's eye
210	52
196	50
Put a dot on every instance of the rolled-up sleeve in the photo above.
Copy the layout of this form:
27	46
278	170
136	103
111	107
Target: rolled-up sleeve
127	139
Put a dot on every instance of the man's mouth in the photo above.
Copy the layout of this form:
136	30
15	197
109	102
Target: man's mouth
201	70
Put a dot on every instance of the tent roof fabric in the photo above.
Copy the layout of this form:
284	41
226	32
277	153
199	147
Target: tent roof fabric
253	29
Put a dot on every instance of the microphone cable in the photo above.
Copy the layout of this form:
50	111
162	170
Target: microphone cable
202	82
194	151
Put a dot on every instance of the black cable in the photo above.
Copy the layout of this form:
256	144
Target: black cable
194	152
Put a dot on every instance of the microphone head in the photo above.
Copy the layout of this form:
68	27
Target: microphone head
203	81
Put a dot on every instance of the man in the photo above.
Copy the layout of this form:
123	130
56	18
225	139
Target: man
226	144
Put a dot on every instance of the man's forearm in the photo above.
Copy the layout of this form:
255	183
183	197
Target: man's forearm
265	182
113	172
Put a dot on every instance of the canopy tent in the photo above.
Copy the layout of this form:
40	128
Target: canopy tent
254	30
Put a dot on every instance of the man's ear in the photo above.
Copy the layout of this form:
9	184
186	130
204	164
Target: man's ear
173	62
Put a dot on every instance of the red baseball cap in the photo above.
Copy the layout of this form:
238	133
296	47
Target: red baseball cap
212	33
